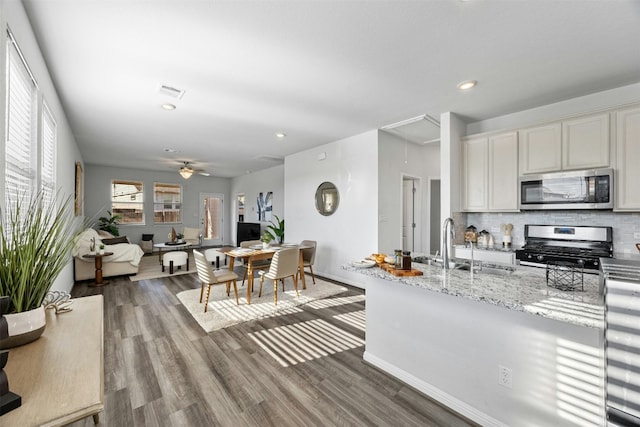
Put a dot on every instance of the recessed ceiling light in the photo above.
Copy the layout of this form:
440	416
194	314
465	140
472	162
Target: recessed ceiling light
170	150
467	84
168	106
281	135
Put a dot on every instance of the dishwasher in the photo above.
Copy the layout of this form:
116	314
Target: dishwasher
620	280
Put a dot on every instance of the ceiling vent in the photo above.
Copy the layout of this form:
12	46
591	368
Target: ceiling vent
171	91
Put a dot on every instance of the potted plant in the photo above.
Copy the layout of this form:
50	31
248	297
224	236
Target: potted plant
110	223
36	239
101	249
276	230
266	238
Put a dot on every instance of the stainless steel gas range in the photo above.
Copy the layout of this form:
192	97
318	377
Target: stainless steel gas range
567	245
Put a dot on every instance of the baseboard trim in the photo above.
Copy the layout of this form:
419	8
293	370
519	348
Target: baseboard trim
433	392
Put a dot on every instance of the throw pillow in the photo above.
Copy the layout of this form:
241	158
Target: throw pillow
115	240
106	234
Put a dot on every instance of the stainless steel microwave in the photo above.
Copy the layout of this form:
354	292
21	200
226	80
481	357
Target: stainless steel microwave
586	189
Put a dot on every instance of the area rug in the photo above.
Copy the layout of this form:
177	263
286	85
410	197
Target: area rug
224	312
150	268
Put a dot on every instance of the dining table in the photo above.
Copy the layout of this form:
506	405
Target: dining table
255	253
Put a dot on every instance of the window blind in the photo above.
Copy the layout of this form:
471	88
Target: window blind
48	158
20	153
127	200
167	203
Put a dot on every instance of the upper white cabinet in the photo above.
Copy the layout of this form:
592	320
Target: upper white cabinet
579	143
490	173
540	149
585	142
503	172
627	193
475	161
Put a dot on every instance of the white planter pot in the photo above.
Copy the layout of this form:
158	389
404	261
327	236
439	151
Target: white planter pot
265	245
24	327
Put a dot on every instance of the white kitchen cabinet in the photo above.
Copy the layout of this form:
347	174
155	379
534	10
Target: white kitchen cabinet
540	149
474	171
490	173
627	194
503	172
580	143
585	142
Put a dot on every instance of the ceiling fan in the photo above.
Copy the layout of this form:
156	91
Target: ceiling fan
186	170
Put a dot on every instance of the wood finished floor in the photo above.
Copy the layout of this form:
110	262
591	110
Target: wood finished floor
162	369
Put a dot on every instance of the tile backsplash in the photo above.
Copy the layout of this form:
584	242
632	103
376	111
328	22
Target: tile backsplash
625	225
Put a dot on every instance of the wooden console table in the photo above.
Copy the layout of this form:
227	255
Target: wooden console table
60	376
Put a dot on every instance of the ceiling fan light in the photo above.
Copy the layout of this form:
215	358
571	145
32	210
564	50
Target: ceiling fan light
186	172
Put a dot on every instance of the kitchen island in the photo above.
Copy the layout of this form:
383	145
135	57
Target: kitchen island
503	350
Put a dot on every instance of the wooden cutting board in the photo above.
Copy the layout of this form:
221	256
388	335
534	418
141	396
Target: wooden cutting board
401	273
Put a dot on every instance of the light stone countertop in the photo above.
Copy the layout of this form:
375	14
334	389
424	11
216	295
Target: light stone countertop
524	290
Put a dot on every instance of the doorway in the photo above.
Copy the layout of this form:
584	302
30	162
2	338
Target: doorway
211	218
411	240
434	215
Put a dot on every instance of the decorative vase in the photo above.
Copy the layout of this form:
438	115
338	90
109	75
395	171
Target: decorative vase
265	245
24	327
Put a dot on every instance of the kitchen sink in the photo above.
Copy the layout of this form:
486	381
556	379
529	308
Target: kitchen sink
495	269
464	265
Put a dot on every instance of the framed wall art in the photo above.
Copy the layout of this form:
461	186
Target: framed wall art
78	202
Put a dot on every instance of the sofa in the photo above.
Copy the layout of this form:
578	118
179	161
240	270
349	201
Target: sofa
125	259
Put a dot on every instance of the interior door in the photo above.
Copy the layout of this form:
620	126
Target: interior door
211	218
410	213
434	216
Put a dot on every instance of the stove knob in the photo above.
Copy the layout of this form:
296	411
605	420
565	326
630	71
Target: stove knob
540	257
596	263
580	262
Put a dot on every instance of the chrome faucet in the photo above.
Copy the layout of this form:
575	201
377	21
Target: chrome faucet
448	234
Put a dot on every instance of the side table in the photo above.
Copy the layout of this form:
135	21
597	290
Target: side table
98	263
60	376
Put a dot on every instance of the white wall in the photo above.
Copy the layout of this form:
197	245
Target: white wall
12	14
451	129
398	158
98	198
251	185
351	233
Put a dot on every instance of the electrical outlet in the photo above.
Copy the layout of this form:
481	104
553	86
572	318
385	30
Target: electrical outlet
505	376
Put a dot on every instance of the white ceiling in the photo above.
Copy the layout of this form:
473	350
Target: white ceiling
317	70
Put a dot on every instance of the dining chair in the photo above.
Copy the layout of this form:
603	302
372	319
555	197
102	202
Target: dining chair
208	277
284	263
309	256
261	264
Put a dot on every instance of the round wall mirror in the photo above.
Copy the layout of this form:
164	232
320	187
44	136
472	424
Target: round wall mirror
327	198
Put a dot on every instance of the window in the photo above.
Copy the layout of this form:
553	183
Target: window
21	131
167	203
48	155
127	200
